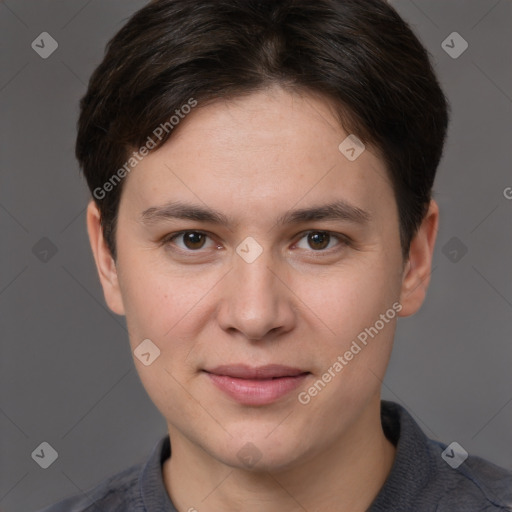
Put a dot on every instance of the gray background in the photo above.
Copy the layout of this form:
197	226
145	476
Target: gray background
66	373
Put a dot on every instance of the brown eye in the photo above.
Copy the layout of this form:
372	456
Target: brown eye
188	241
193	239
323	241
318	240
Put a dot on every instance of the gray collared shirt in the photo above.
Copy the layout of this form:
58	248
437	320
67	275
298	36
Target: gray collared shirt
421	480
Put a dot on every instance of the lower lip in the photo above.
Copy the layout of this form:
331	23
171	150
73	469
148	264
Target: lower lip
257	392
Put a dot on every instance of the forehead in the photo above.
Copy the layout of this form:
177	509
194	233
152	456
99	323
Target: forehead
272	148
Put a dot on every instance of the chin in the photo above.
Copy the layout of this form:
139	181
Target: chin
262	453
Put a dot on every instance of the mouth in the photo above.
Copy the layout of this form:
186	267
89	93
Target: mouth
256	385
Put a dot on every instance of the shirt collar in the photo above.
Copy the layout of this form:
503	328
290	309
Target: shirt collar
151	482
413	467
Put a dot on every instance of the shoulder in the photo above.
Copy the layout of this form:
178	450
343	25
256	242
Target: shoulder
430	476
118	493
470	484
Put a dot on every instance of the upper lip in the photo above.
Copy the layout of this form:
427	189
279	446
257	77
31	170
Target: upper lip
241	371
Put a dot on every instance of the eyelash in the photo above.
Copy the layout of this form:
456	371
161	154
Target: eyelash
344	240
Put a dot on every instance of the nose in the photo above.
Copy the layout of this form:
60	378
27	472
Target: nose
256	301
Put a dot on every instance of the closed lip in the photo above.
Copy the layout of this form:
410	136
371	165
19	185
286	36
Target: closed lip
269	371
256	385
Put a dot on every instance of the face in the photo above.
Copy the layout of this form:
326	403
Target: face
259	304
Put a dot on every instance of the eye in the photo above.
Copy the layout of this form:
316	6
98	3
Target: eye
194	241
191	240
321	240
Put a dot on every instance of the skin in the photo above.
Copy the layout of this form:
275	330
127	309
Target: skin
253	159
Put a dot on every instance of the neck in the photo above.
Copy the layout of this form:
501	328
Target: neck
347	477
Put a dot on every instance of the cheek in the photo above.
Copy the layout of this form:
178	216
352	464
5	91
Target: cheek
347	301
357	346
170	308
151	303
148	308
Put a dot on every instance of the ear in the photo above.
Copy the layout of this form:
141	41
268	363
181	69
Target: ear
105	264
417	270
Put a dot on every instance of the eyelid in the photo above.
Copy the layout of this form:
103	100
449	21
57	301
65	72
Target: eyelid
170	237
343	239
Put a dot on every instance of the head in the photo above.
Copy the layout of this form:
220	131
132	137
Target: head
261	174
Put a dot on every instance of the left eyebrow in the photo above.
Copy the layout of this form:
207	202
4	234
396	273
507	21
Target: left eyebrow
337	210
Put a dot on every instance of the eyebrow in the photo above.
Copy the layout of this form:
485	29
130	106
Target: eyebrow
337	210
